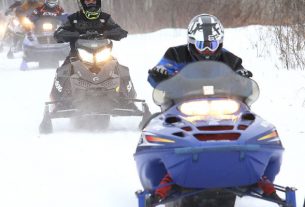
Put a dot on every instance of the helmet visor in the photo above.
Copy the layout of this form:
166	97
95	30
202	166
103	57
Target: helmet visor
52	3
207	45
90	2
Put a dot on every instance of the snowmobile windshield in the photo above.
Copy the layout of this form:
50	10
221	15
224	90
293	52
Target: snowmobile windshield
206	79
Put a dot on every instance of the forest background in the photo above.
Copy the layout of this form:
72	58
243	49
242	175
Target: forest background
286	18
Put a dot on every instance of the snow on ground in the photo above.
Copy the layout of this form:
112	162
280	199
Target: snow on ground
81	168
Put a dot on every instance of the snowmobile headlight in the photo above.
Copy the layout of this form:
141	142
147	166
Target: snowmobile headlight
102	55
209	108
15	22
47	27
154	139
2	30
271	135
86	56
27	23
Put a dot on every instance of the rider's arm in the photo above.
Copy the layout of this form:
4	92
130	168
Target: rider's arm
113	30
239	68
66	33
35	15
168	66
235	63
60	10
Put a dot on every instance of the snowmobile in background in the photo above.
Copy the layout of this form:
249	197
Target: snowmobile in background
3	26
208	140
14	34
40	45
92	88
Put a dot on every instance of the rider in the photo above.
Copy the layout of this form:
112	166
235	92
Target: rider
205	36
90	18
27	7
49	8
22	10
13	6
204	42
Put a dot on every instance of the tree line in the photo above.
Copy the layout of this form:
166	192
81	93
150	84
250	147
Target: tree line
139	16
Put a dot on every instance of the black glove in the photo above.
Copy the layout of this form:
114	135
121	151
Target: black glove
65	36
159	73
73	35
115	34
245	73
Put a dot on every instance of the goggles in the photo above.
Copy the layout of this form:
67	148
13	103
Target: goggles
207	45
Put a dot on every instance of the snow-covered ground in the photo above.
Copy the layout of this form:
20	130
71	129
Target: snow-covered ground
81	168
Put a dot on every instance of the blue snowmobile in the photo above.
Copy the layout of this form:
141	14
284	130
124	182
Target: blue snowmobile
208	140
40	45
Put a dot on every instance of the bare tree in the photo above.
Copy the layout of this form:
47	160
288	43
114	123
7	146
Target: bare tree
289	32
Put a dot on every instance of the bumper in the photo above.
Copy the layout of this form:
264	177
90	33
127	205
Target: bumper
52	52
207	167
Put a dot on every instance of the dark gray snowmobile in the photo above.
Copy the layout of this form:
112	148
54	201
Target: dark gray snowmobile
92	88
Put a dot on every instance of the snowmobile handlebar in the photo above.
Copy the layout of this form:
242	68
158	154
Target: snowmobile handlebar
92	36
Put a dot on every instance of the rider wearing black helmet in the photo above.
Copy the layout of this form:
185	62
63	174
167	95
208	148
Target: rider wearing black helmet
89	18
205	36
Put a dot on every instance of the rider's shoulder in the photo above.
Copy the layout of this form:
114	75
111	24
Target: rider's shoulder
177	52
40	7
227	53
74	16
104	16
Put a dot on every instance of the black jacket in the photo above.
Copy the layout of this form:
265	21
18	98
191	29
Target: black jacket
78	24
177	57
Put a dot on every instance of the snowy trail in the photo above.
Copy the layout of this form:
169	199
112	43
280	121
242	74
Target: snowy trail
80	168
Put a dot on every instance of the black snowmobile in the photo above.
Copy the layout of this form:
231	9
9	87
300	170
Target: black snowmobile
91	88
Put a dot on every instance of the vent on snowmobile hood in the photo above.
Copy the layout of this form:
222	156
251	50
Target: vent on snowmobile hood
215	128
179	134
217	137
187	128
242	127
172	119
248	116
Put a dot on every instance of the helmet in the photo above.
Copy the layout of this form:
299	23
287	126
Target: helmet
51	3
90	8
205	37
